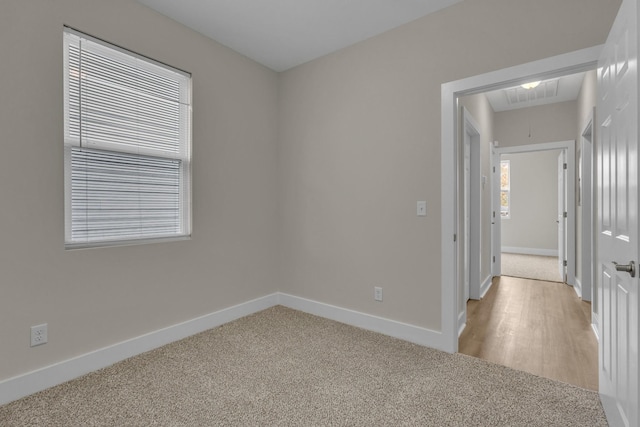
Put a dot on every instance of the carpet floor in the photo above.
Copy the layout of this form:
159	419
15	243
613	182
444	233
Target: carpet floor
285	367
531	267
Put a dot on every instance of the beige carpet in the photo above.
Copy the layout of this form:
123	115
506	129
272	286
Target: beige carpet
531	267
286	368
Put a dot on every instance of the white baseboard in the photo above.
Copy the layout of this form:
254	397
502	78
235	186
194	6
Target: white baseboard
403	331
577	286
529	251
31	382
486	285
594	328
611	411
462	322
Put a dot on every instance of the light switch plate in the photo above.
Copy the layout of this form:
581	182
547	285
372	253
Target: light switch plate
421	208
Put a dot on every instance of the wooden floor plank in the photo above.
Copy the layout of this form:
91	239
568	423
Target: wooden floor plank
534	326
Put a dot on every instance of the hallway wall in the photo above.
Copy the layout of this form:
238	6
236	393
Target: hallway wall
480	109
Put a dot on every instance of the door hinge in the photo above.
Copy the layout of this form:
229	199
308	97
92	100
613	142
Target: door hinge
494	214
565	263
565	214
455	237
564	166
494	169
494	258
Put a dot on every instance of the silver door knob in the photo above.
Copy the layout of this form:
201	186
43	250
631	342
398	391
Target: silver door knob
629	268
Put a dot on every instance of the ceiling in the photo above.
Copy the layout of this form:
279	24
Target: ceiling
281	34
551	91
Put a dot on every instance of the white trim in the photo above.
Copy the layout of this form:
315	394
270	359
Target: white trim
403	331
58	373
462	321
471	128
610	406
594	328
485	286
573	62
40	379
587	187
529	251
496	231
577	286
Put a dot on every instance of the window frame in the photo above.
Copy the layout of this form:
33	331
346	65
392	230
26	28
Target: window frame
183	155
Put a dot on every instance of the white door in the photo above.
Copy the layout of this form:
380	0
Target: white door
561	216
617	171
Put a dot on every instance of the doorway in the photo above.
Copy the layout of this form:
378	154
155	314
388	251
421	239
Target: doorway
574	62
535	228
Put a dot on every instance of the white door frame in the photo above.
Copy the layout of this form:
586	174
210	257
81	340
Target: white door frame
496	218
569	148
569	63
563	227
586	192
471	136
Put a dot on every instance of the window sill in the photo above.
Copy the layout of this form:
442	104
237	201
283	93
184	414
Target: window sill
116	243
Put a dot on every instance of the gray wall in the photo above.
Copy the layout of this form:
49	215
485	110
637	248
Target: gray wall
97	297
360	143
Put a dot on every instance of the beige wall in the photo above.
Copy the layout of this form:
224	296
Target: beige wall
97	297
535	125
360	143
534	201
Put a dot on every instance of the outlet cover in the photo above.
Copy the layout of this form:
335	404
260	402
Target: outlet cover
39	335
377	293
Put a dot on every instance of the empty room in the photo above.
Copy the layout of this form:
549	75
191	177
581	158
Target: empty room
243	213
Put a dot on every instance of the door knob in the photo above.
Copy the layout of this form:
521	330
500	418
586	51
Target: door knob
629	268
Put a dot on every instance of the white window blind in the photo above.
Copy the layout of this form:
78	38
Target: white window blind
127	146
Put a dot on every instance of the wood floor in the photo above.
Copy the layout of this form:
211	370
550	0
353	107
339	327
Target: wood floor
534	326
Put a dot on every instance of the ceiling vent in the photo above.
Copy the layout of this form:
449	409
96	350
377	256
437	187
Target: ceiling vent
519	96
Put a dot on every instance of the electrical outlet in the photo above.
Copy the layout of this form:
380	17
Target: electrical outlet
377	293
39	335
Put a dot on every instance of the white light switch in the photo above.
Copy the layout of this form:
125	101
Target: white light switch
421	208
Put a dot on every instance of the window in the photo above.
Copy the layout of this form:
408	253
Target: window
505	189
127	144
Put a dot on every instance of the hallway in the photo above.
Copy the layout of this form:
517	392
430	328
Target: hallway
539	327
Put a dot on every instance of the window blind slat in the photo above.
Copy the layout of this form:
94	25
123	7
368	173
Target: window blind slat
127	133
116	194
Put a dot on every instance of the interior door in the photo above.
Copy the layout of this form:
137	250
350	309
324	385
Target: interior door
561	217
618	218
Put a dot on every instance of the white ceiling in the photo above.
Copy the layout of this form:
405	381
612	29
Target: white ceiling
548	92
281	34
